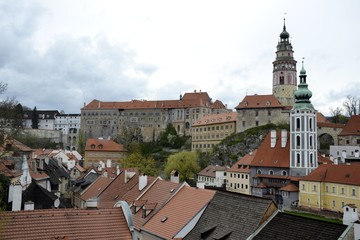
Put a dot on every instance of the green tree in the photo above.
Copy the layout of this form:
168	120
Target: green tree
144	164
337	115
170	138
81	143
129	134
35	119
186	163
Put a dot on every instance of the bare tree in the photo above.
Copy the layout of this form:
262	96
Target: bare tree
337	115
352	105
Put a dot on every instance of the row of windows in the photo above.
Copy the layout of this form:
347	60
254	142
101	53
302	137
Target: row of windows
213	128
333	190
271	172
238	186
206	179
196	146
246	176
213	136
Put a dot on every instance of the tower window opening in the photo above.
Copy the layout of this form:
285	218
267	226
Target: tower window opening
281	79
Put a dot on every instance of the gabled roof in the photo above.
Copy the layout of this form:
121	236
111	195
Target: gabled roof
211	170
157	193
7	168
102	224
178	211
244	163
93	191
290	188
115	191
342	174
95	144
216	119
266	156
293	227
233	214
194	99
352	127
259	101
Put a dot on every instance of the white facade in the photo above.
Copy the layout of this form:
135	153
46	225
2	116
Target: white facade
339	153
69	125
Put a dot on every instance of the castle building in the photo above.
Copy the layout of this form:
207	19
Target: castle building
211	130
256	110
107	119
303	131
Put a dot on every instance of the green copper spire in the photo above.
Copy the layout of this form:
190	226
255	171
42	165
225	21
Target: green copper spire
303	94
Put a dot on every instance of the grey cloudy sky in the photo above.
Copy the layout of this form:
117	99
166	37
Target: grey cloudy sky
61	54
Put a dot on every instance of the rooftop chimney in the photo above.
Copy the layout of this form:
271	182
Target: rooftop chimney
91	204
108	163
29	206
272	138
142	182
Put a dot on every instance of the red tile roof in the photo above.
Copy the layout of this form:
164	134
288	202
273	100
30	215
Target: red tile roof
290	188
93	191
210	171
115	191
352	127
243	165
320	118
343	174
273	157
158	193
65	224
216	119
259	101
324	160
6	169
181	208
195	99
103	145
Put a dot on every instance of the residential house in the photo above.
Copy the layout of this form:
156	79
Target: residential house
101	224
212	176
92	191
209	130
150	202
151	117
330	187
350	135
345	154
97	150
230	216
178	216
238	176
287	226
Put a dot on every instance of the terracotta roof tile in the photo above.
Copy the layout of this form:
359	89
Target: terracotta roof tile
195	99
65	224
320	118
93	191
259	101
343	174
352	127
273	157
157	193
178	211
243	165
290	188
8	172
216	119
210	171
103	145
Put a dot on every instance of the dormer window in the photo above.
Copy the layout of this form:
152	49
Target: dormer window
101	146
268	103
245	103
92	146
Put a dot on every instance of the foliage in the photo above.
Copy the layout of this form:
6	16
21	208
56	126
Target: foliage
34	142
129	134
337	116
35	119
144	164
186	163
4	189
352	105
81	143
170	138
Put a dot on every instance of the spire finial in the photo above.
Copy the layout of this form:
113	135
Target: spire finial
303	62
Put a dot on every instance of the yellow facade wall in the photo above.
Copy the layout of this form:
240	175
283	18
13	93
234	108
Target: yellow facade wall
238	182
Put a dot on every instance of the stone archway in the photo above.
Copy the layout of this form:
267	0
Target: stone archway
325	140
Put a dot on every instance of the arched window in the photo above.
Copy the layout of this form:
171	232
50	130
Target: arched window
311	141
310	124
281	80
311	161
187	125
271	172
258	171
284	173
298	159
297	123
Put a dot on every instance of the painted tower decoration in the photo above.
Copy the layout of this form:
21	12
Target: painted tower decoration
284	70
303	131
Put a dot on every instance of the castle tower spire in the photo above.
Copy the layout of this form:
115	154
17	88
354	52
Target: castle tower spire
303	131
284	70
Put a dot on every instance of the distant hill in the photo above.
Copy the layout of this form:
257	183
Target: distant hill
232	148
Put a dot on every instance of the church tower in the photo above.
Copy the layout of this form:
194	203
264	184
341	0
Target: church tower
303	131
284	70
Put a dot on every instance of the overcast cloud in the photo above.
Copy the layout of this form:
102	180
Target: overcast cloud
59	55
